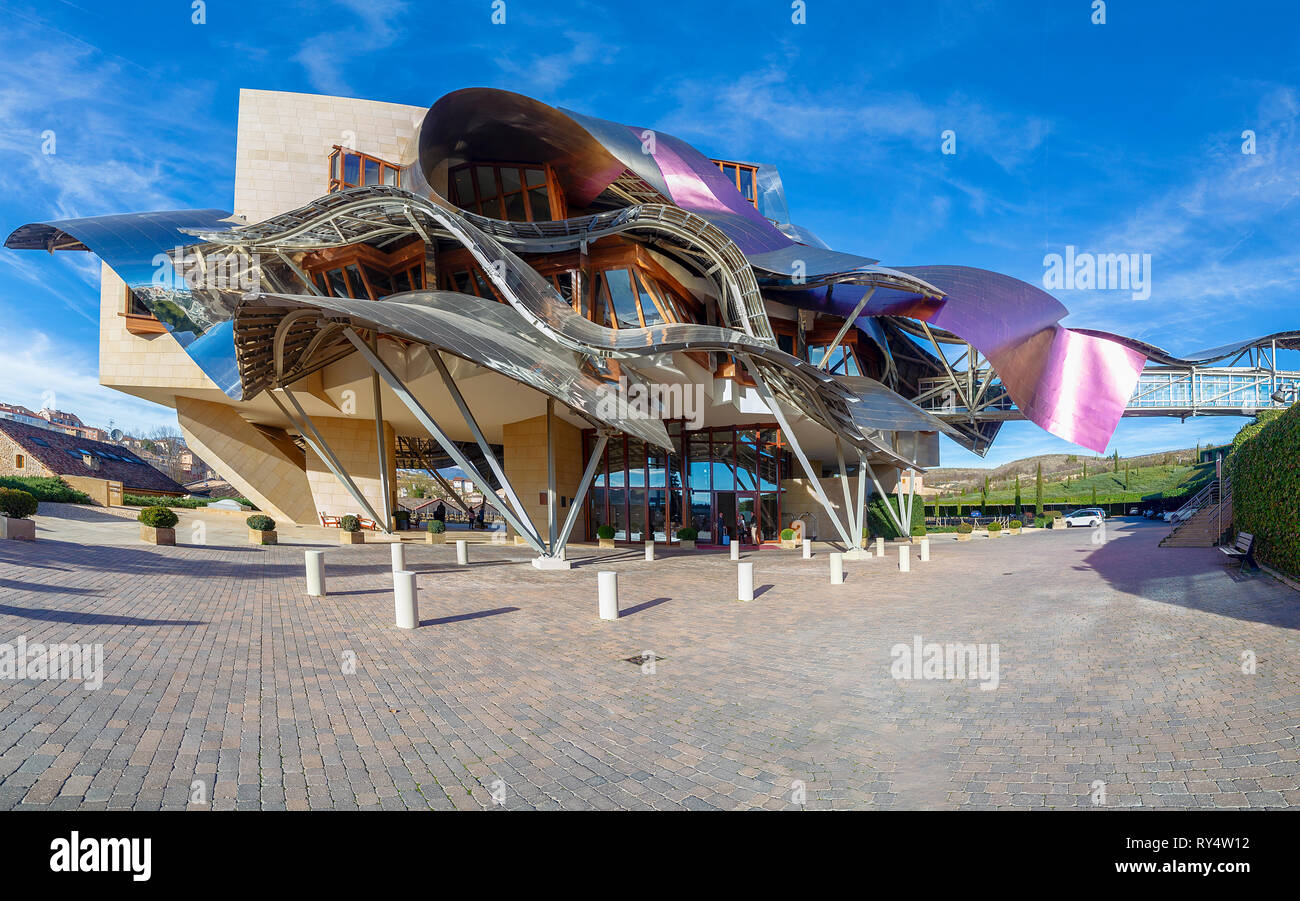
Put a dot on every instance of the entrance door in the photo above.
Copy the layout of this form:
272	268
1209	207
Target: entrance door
724	515
747	518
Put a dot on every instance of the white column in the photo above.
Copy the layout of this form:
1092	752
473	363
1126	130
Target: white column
745	581
316	573
880	546
735	548
399	556
462	553
925	550
406	602
904	558
649	550
807	548
837	569
607	584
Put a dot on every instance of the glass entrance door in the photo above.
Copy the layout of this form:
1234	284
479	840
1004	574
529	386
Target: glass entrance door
747	518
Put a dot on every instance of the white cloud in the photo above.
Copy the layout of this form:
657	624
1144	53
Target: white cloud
39	370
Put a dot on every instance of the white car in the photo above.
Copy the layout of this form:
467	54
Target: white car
1082	518
1174	516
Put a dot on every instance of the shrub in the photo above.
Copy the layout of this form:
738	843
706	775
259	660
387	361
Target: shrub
787	534
16	503
436	526
685	533
260	522
1040	522
158	518
46	488
965	528
606	532
995	526
1053	514
1264	465
879	521
1016	524
350	523
918	531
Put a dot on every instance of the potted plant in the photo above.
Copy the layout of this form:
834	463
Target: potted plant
157	525
350	530
17	507
918	531
994	529
436	532
606	536
687	535
1054	519
1016	525
788	541
964	531
261	529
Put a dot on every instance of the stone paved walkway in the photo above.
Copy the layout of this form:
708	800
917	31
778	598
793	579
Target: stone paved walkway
1118	661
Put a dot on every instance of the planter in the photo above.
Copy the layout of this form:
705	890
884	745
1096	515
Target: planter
995	534
435	537
157	536
1015	531
686	545
352	537
609	543
260	536
20	529
790	545
965	536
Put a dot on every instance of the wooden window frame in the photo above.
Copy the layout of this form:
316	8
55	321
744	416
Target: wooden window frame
751	169
554	196
408	259
338	183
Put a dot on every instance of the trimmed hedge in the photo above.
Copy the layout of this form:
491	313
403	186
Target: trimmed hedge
881	524
158	518
260	522
685	533
787	534
607	532
350	523
965	528
436	526
994	526
16	503
1265	469
46	488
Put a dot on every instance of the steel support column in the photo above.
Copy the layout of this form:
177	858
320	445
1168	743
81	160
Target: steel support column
447	444
814	479
575	505
318	444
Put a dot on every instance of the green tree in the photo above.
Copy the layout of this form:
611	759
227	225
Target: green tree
1038	491
984	492
1115	460
1094	495
1085	469
1017	491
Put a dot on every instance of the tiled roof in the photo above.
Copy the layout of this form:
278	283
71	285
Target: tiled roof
64	454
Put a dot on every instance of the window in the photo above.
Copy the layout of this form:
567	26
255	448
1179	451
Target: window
516	193
350	169
363	272
842	362
743	176
20	462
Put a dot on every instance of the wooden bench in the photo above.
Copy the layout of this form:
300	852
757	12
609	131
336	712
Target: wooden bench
1243	549
328	521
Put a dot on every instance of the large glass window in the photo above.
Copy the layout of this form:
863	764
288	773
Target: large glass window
744	176
517	193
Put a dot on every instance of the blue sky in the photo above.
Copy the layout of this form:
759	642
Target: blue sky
1122	137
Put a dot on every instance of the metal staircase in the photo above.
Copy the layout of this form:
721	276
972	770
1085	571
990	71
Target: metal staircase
1208	518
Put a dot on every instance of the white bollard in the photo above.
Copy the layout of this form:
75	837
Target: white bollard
745	581
406	601
904	558
807	548
399	556
880	546
316	574
649	550
462	553
837	569
607	583
925	550
735	549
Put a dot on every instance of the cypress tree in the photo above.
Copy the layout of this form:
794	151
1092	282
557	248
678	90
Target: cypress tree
1017	491
1038	491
